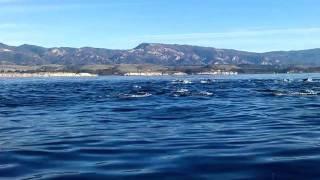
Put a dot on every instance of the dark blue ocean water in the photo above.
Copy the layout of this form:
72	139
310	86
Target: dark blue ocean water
241	127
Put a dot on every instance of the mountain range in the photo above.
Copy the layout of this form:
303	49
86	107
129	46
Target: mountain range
168	55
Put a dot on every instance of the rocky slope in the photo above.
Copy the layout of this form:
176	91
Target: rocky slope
152	53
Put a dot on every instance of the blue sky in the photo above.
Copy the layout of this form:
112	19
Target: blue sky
252	25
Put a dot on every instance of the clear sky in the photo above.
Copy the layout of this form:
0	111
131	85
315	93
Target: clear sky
253	25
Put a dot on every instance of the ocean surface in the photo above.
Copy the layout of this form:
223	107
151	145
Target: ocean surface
188	127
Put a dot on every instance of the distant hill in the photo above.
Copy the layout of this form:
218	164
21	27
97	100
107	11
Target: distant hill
152	53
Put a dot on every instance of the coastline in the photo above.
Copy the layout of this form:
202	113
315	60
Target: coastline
129	74
179	73
85	74
45	74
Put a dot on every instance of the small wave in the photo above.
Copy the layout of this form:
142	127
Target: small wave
185	81
306	93
308	80
287	80
280	93
137	87
125	109
140	95
181	92
205	93
274	92
207	81
137	95
292	93
271	91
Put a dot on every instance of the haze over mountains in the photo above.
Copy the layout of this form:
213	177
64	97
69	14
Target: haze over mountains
152	53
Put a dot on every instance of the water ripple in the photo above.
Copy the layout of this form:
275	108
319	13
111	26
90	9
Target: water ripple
244	127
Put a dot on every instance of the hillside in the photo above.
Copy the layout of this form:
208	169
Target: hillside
165	55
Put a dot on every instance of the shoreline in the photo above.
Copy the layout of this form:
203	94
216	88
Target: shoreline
45	74
141	74
84	74
68	74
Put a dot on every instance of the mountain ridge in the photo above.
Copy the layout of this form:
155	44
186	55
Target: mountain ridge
153	53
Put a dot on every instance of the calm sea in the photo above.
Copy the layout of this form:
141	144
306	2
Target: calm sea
203	127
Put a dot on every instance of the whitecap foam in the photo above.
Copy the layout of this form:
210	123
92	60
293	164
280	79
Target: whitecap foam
207	81
307	92
185	81
137	95
287	80
182	90
308	80
137	87
205	93
140	95
300	93
280	94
